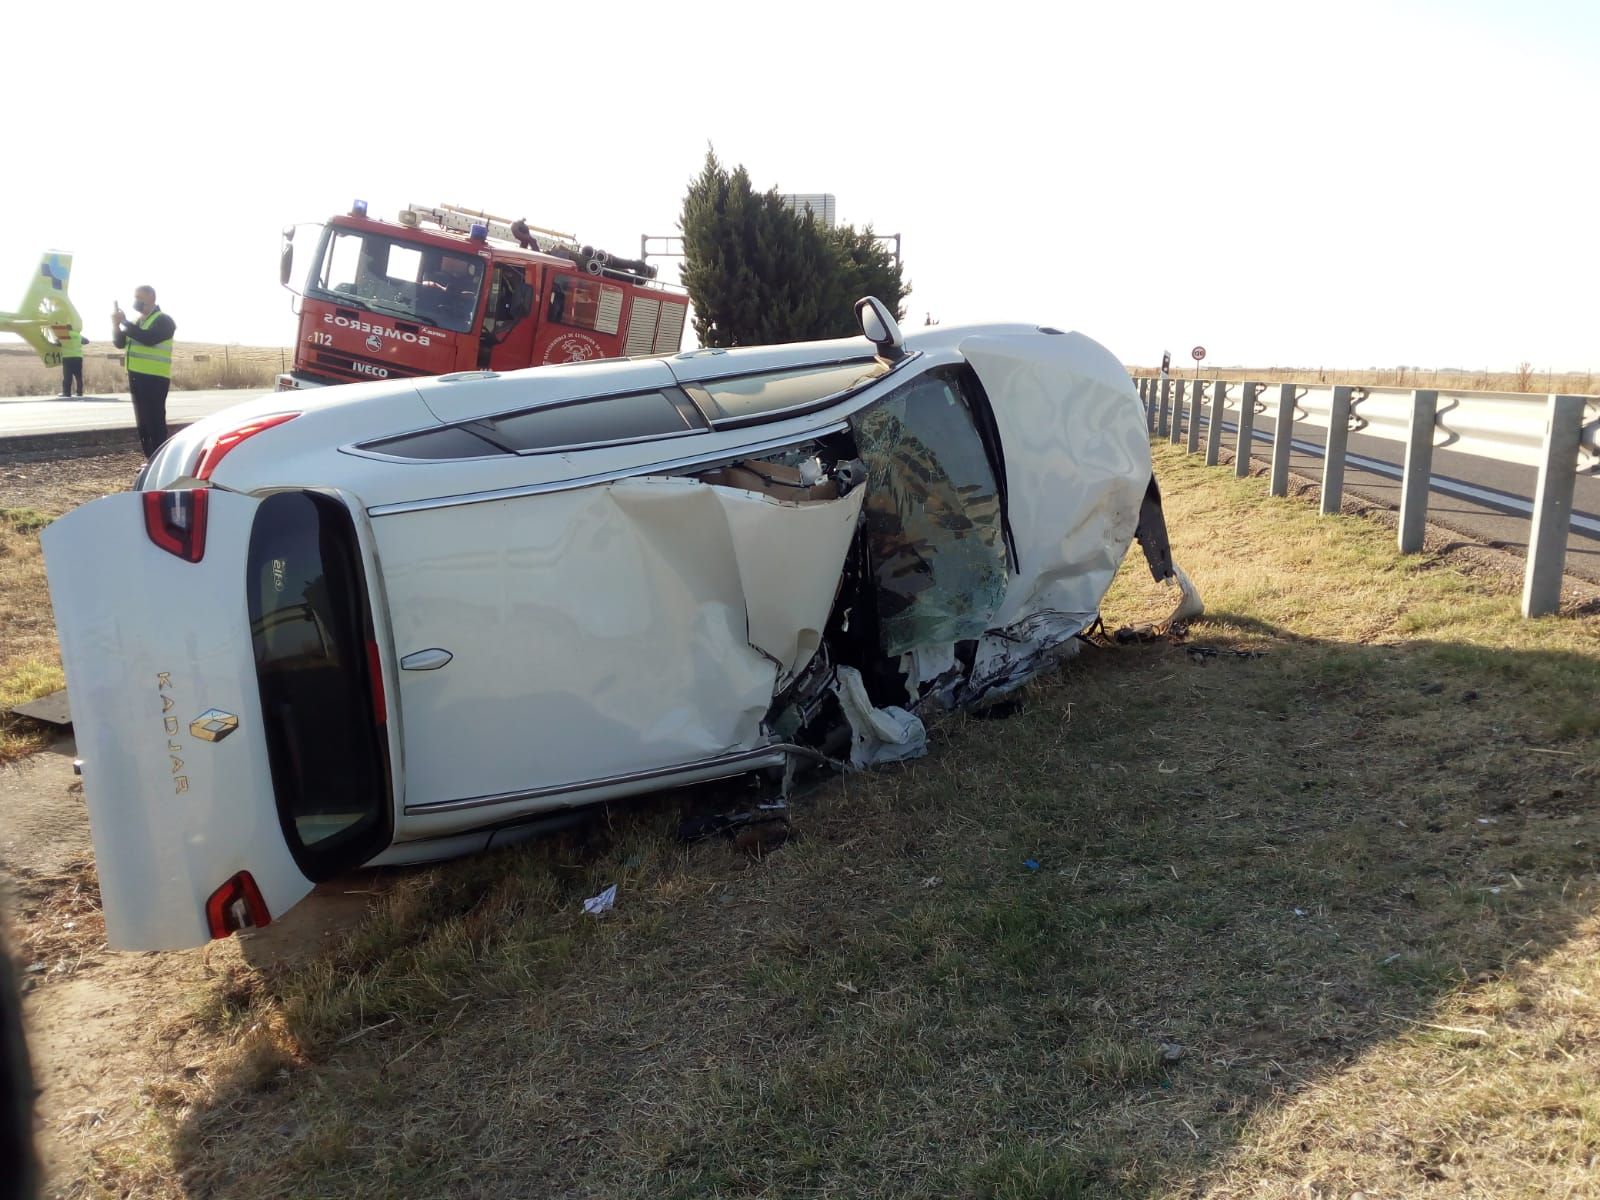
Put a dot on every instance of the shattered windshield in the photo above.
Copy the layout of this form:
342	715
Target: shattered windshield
934	524
415	282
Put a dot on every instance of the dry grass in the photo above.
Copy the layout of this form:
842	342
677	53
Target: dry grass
195	365
1308	919
58	917
30	664
33	491
1522	378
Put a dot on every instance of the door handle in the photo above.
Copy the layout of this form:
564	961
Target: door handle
425	660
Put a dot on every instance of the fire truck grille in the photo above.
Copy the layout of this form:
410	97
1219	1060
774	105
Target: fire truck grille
669	334
642	326
345	365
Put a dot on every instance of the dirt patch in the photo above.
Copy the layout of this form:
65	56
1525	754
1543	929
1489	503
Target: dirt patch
113	1036
46	482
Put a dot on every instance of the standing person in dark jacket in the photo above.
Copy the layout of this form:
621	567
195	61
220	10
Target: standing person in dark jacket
148	344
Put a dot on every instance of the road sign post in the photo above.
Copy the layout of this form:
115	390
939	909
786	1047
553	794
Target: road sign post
1198	354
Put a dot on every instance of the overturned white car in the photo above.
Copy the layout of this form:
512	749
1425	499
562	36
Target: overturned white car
390	622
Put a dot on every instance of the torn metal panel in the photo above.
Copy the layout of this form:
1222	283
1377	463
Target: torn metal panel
1077	461
933	520
789	558
1151	533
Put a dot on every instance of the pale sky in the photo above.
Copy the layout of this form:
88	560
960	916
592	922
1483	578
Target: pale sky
1347	184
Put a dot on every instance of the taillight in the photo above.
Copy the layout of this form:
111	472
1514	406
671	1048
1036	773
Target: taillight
380	710
176	521
236	905
217	447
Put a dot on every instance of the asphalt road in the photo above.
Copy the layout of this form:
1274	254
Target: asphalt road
31	416
1486	499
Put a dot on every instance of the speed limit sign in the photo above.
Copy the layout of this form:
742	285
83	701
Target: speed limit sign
1198	353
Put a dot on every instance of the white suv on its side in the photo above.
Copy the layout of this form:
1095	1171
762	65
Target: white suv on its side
398	621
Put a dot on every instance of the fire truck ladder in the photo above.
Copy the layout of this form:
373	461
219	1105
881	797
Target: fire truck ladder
550	241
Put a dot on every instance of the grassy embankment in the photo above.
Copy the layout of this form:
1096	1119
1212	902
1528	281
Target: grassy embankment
1303	906
30	664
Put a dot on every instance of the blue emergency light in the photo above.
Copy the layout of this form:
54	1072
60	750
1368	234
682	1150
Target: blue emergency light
358	209
478	232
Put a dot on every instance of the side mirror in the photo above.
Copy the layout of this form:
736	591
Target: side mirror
286	257
880	328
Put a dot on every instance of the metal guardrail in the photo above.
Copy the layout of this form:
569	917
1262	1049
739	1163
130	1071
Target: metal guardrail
1558	434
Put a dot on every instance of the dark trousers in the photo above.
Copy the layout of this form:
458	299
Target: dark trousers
150	410
71	368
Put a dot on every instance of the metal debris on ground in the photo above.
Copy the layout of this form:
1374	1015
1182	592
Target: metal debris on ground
756	830
998	711
1200	653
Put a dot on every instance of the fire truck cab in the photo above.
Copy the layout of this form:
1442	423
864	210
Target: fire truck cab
386	300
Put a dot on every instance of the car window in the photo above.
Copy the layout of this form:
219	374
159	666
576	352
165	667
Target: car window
742	399
586	423
449	442
606	421
933	515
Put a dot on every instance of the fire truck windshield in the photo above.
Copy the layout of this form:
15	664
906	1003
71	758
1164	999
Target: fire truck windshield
424	283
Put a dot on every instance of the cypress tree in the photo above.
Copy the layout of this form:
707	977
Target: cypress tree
759	274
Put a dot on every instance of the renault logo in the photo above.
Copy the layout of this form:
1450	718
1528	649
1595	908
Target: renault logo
213	725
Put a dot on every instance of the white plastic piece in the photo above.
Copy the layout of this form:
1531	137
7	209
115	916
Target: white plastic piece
878	735
1190	605
603	903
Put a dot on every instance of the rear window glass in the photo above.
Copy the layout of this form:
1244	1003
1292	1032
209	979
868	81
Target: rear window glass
308	624
743	397
589	423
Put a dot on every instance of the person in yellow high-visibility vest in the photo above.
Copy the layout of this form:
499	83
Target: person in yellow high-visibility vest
147	343
72	343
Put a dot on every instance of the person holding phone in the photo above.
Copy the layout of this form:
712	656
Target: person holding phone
148	345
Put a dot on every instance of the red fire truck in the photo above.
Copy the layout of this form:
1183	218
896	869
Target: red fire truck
384	301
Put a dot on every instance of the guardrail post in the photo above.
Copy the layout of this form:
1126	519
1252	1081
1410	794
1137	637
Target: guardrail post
1194	415
1333	460
1552	507
1283	440
1418	475
1177	411
1166	396
1219	399
1247	428
1144	403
